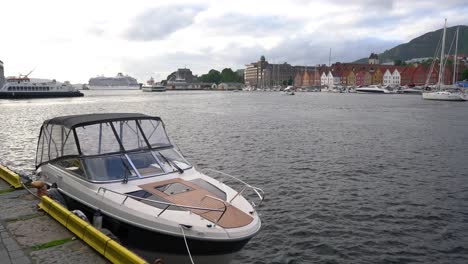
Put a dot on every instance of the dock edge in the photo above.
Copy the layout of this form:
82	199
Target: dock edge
103	244
10	177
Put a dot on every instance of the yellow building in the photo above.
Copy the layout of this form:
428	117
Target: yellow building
351	79
377	77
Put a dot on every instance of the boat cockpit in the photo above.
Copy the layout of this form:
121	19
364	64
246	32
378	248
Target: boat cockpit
103	148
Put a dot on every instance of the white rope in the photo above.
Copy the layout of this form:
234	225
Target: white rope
186	245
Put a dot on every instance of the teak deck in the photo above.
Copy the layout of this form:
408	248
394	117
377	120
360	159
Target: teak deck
231	219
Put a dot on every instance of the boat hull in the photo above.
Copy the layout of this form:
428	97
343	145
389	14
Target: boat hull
152	245
24	95
371	90
121	87
444	96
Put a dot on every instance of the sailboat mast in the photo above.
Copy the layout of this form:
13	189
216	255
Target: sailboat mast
442	55
329	59
455	59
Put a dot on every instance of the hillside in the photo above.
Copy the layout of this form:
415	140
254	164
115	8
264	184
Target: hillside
425	46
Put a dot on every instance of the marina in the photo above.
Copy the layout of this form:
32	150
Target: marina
246	132
325	192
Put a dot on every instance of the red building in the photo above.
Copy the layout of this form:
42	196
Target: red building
360	78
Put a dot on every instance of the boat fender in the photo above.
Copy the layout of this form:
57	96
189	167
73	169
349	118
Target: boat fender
97	219
57	196
81	215
41	188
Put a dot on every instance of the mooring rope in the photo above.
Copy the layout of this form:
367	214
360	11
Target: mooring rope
186	245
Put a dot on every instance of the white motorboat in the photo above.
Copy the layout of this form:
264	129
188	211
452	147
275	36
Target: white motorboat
442	93
373	89
289	90
158	205
445	96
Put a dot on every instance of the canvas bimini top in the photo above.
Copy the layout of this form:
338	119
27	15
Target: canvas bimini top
93	135
72	121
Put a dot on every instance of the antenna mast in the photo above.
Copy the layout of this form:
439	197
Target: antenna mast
455	59
442	55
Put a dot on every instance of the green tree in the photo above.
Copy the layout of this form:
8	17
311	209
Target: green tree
228	75
464	75
399	62
290	81
213	76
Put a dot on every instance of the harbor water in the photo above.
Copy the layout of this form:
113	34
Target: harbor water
349	178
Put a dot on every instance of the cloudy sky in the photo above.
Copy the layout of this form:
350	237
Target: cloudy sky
76	40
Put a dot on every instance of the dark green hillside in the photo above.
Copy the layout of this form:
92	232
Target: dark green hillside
425	46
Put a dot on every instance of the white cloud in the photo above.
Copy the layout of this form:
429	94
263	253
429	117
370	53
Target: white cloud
80	39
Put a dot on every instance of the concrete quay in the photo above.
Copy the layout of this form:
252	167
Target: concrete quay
30	236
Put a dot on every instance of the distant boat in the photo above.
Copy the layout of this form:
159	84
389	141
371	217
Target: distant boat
289	90
450	93
119	82
151	86
373	89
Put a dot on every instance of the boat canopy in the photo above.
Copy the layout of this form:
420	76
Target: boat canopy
99	134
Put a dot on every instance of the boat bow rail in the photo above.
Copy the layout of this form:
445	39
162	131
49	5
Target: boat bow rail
168	205
259	192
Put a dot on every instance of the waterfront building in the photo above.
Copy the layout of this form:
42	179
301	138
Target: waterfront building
367	78
2	75
387	78
330	79
396	78
407	76
180	75
323	79
360	78
376	77
374	58
298	79
351	79
230	86
254	73
264	74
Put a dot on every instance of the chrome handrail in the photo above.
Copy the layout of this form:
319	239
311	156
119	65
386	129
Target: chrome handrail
260	193
168	204
217	199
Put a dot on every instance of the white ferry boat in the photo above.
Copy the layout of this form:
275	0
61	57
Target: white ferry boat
119	82
25	87
151	86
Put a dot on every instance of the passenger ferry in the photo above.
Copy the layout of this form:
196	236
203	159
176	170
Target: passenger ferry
25	87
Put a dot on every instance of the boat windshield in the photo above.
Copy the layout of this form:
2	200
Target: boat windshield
111	151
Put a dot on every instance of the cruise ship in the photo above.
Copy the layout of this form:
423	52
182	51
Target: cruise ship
119	82
25	87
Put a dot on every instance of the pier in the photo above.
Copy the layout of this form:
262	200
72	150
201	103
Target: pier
33	232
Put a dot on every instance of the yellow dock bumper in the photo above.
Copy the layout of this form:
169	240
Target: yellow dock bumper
10	177
110	249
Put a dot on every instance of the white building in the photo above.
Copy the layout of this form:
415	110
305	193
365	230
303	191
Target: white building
396	77
387	78
391	79
323	79
230	86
